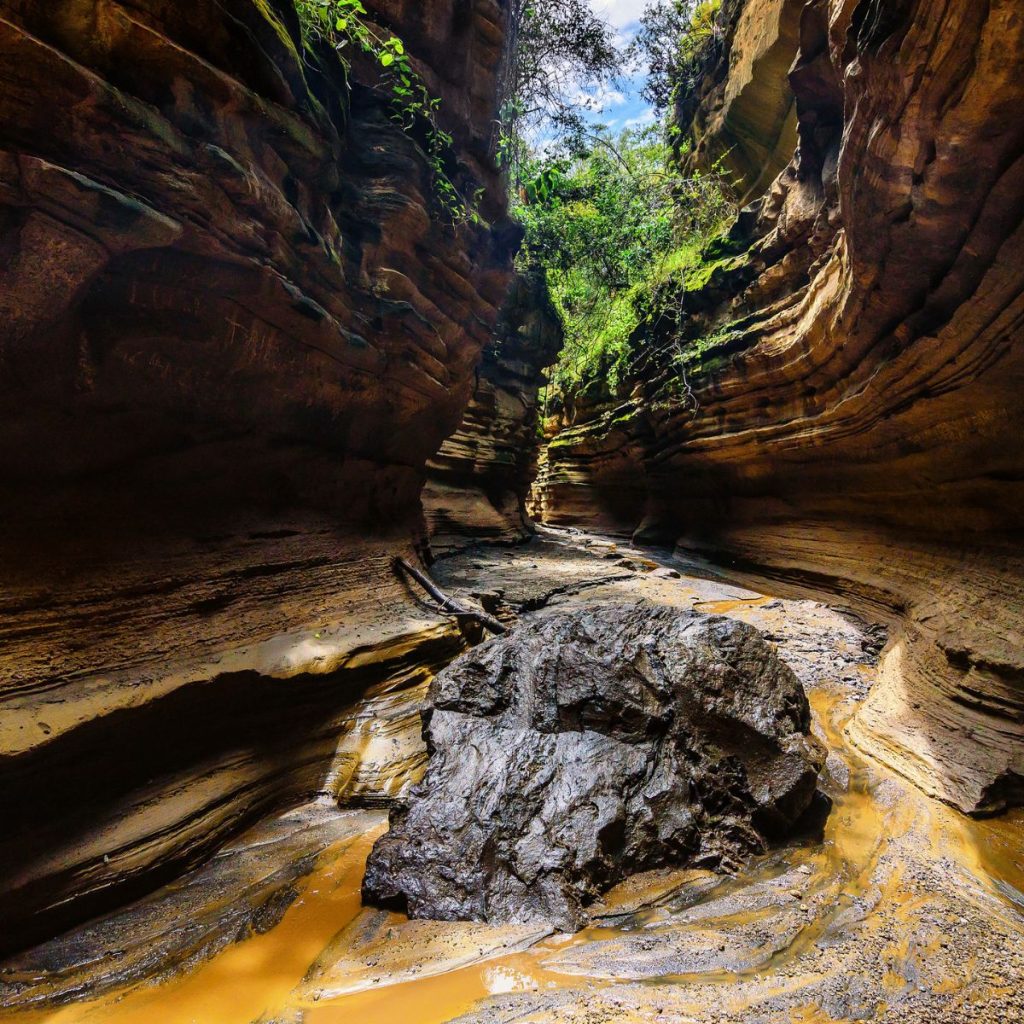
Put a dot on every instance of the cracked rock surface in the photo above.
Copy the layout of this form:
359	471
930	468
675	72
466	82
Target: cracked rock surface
589	745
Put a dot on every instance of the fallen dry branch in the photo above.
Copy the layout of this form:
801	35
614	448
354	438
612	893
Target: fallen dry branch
447	603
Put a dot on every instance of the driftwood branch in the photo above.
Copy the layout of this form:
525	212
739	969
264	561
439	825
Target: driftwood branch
447	603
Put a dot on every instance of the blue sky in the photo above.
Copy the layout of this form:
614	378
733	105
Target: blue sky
624	108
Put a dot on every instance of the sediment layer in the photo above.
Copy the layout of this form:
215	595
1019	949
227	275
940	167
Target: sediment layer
236	321
894	908
479	480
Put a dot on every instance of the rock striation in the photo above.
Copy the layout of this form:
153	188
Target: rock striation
741	116
234	324
853	394
590	745
479	480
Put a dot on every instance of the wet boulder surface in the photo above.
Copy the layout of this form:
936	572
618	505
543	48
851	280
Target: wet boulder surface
589	745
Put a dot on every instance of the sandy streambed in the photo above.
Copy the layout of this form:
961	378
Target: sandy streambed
892	907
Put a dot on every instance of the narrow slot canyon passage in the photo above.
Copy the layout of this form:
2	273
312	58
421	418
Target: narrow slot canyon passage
512	512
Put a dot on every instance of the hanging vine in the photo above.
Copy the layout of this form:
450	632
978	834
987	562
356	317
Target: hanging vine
343	25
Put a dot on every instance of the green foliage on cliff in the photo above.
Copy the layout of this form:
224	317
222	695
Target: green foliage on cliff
675	41
344	25
620	235
619	232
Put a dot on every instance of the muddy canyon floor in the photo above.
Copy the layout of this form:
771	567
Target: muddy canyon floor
887	905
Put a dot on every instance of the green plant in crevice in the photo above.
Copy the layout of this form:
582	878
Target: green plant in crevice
343	25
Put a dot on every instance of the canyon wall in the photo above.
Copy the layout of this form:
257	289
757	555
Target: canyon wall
741	117
839	406
479	481
235	322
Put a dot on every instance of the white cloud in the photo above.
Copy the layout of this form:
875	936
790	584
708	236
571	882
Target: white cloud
620	12
623	16
604	97
647	117
620	105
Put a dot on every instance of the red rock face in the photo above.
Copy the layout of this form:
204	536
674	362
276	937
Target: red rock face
211	233
234	324
853	422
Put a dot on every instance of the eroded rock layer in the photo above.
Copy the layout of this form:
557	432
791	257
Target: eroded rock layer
741	116
479	481
586	747
235	321
894	909
853	394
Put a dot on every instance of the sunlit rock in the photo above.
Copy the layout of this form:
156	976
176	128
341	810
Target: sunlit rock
587	746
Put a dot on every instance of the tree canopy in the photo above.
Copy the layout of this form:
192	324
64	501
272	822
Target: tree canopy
609	219
562	57
613	228
674	38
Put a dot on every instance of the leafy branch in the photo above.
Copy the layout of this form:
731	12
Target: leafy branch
677	40
343	25
561	59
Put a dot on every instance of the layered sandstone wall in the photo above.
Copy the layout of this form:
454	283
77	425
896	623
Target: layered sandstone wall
741	117
234	325
847	410
479	481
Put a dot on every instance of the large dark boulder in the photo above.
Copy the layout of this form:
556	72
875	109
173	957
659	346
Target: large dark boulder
587	746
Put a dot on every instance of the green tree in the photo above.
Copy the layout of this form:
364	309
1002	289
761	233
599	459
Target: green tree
676	39
617	231
561	57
